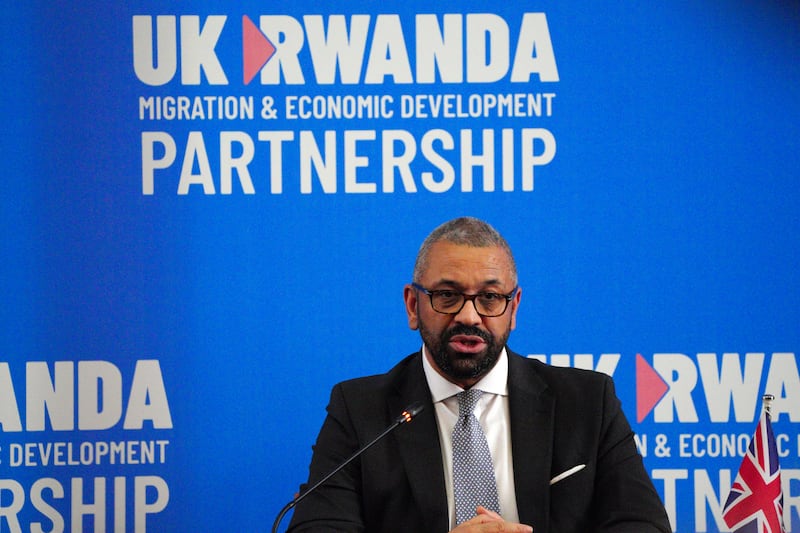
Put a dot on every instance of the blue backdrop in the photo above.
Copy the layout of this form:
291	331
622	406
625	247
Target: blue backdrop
197	243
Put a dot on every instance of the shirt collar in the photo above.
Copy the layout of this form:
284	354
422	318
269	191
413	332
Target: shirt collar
495	382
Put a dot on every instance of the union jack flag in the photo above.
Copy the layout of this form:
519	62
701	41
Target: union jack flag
755	503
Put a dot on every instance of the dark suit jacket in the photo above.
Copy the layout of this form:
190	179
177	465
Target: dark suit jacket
560	418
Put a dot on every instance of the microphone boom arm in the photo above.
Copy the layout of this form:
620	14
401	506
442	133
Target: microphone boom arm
407	416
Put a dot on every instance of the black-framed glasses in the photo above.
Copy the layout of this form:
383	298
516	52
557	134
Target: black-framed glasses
450	302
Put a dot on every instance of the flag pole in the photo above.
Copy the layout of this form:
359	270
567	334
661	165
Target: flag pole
767	400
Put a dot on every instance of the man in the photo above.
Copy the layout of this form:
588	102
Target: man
561	455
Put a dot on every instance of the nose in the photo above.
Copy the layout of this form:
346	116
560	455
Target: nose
469	313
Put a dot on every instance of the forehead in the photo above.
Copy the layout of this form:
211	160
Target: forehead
467	265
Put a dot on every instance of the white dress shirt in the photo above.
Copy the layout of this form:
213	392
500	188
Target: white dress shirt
493	414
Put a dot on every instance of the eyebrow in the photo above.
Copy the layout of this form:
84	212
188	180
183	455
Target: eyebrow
491	283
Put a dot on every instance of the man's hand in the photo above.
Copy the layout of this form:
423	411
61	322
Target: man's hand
486	521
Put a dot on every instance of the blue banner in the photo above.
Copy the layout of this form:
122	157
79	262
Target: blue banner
209	213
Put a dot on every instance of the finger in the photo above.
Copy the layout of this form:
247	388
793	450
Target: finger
503	527
488	512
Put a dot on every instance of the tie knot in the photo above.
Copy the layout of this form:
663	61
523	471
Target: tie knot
467	401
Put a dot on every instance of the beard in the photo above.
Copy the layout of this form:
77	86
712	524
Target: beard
459	365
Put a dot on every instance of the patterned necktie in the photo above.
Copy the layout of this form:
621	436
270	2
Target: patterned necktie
473	474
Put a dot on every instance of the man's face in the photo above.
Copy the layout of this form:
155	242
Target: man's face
465	346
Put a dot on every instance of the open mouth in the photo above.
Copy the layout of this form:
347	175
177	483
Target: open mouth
467	343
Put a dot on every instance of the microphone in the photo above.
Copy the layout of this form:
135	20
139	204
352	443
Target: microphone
408	414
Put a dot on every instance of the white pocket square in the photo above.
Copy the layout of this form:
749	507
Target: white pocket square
567	473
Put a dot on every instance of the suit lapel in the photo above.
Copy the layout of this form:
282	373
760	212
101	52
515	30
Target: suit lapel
420	452
532	409
532	424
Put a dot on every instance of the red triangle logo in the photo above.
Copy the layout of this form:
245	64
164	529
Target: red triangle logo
256	49
650	388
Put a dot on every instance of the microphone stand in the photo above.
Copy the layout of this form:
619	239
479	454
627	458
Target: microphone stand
408	414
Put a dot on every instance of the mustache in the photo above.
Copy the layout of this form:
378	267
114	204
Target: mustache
463	329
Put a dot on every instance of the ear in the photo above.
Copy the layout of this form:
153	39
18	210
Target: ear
514	306
410	296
